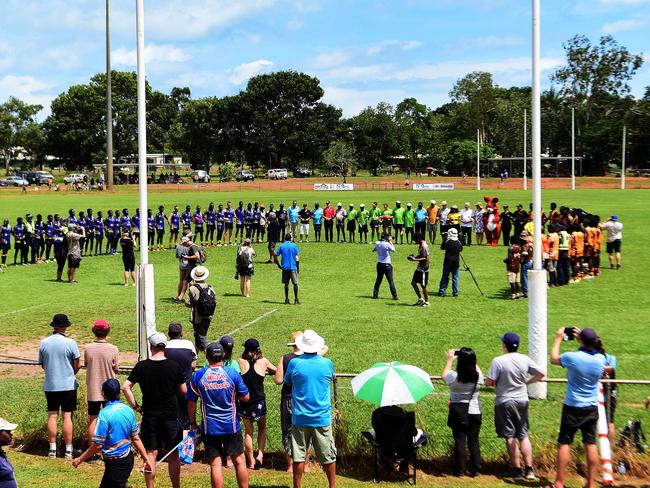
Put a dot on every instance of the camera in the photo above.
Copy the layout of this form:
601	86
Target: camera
569	333
456	352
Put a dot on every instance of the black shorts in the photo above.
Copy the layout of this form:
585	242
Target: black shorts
386	224
421	277
129	263
95	407
317	227
66	401
374	224
228	225
117	471
173	232
240	226
289	275
60	263
614	246
252	411
399	226
285	420
352	226
223	445
5	246
160	232
73	262
363	229
573	418
157	433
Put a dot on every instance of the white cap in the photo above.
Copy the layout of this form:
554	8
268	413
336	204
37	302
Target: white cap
433	201
409	204
158	339
6	425
398	202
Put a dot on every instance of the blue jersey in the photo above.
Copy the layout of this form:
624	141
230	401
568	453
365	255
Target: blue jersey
317	215
82	223
99	226
19	232
56	225
288	252
112	223
256	216
175	220
239	213
116	424
198	219
220	220
217	387
90	223
6	234
38	230
229	214
211	217
151	223
48	228
160	221
249	217
126	222
136	223
187	218
72	220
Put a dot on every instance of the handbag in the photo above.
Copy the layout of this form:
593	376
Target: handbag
459	412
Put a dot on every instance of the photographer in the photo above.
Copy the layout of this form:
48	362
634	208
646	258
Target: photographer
451	264
584	368
383	249
464	408
614	230
421	273
73	239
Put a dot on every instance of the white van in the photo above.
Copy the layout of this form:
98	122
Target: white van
277	174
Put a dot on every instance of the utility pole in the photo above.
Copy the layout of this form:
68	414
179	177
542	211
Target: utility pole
525	148
573	148
623	159
109	104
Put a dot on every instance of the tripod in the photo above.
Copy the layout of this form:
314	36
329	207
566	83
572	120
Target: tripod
467	268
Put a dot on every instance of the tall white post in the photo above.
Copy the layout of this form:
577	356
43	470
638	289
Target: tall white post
537	306
573	148
146	311
525	148
109	104
623	159
478	159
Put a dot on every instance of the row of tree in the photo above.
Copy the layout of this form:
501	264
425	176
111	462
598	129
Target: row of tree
281	120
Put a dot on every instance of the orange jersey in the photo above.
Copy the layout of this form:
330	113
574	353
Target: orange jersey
577	249
433	214
554	244
598	246
546	247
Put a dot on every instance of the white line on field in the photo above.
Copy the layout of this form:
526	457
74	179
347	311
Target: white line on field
24	309
252	321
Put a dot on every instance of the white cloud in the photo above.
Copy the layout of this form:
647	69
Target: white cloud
162	53
26	88
379	47
623	25
331	59
498	41
63	58
240	74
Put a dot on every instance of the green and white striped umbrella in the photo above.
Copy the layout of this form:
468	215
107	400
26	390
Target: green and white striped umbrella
392	384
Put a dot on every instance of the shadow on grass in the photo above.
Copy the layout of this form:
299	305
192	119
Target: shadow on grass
231	295
503	294
280	302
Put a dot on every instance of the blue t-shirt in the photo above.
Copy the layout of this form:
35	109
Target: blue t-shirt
317	215
383	250
160	221
239	213
217	387
584	370
57	354
7	478
116	425
294	214
309	376
420	215
288	252
175	220
229	215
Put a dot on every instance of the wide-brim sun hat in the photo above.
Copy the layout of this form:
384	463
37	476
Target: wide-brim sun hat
310	342
200	273
8	426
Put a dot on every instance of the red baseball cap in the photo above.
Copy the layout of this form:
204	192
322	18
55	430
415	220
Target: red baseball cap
101	325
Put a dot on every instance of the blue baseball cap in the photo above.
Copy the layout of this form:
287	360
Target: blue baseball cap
251	344
111	387
614	217
511	341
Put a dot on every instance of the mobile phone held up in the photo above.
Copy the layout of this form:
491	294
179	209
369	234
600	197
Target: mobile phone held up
569	333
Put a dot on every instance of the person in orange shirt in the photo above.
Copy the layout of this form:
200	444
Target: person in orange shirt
432	221
577	252
553	251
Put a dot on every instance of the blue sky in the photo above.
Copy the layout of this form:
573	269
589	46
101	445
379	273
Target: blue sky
363	51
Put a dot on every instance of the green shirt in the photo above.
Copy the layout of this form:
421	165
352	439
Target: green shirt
375	213
409	218
352	215
387	215
398	215
363	217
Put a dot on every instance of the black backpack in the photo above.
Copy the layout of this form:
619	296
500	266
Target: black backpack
207	301
632	435
243	260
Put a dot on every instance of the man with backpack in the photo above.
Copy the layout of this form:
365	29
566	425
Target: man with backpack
202	300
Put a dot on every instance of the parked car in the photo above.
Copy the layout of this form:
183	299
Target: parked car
42	177
16	181
200	176
277	174
74	178
302	172
245	175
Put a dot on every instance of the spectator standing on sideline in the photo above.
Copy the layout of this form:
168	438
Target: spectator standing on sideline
328	214
610	390
59	356
181	253
362	218
202	301
409	223
451	263
466	224
317	215
117	430
7	478
160	380
526	260
511	373
217	386
421	219
506	224
421	273
309	376
305	216
340	216
614	230
375	221
290	265
128	258
584	368
465	416
245	267
184	353
384	248
73	238
351	224
293	212
273	234
443	216
102	363
254	367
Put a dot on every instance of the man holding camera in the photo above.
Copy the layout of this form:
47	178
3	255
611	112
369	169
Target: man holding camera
383	248
584	368
451	264
421	273
614	230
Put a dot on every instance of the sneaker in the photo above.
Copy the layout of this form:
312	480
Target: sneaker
52	454
425	304
68	456
418	303
514	473
286	301
529	474
296	302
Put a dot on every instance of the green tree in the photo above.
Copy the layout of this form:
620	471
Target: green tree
412	120
18	128
461	156
474	97
375	136
340	158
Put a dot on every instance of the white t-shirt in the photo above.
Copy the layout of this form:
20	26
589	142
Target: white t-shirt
614	230
460	392
466	215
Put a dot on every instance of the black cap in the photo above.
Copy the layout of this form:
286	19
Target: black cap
60	320
111	387
227	342
251	344
214	352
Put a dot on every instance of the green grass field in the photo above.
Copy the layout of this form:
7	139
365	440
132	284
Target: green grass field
336	286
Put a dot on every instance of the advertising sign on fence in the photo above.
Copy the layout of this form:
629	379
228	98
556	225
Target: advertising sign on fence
433	186
334	186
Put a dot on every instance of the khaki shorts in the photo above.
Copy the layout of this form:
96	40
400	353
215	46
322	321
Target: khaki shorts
322	438
513	277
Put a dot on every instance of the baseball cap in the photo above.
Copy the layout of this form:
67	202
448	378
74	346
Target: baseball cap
227	342
433	201
352	205
588	337
111	386
157	339
60	320
363	205
398	202
339	204
444	202
214	351
409	204
101	325
72	226
511	341
8	426
175	329
294	336
614	217
251	344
